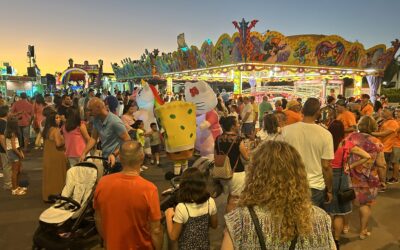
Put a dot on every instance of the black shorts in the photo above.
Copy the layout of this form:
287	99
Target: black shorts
155	149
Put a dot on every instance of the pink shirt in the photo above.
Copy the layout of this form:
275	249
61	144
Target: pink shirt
24	111
38	112
74	142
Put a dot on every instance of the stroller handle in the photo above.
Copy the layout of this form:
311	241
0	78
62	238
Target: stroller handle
103	159
54	198
96	158
174	181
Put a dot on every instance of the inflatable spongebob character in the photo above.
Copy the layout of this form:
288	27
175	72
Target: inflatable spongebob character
178	119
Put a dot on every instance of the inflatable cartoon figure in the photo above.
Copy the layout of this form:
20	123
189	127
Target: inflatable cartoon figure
147	98
178	120
207	120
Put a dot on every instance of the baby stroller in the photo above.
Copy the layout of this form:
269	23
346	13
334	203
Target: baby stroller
204	165
69	223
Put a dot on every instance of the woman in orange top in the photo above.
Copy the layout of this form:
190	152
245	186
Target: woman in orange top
388	135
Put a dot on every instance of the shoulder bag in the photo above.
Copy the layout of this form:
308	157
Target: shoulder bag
260	234
344	194
222	165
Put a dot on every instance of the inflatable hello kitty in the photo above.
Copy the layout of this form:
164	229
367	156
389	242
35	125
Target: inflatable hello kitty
207	120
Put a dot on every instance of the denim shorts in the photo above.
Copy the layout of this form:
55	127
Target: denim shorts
336	208
12	156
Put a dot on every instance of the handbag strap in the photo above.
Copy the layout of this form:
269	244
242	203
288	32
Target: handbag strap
293	243
230	148
256	223
260	235
341	169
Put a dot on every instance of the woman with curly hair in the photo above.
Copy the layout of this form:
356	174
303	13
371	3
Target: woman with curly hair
277	190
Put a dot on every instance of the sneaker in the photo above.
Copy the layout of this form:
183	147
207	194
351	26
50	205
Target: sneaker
23	188
382	188
141	170
393	181
18	191
152	162
144	167
1	175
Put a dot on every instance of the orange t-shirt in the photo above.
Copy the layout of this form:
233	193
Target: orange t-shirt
292	117
126	205
397	141
389	140
347	118
367	110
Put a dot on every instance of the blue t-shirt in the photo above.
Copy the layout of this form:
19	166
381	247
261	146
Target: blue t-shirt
109	131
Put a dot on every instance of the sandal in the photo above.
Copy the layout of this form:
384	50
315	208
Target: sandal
18	192
346	229
365	235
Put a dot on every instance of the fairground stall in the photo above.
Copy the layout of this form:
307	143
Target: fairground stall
79	76
305	65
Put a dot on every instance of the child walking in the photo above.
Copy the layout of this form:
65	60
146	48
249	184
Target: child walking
155	143
15	155
194	214
139	135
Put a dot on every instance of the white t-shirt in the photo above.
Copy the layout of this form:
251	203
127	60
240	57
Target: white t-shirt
314	143
9	145
247	108
195	210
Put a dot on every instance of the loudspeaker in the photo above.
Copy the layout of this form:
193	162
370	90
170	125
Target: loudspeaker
31	72
9	70
31	50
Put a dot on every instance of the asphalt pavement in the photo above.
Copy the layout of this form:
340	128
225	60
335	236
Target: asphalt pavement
19	214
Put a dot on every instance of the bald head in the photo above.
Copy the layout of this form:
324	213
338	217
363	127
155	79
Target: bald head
96	107
131	154
96	102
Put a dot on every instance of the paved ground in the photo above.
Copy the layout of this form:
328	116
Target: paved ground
19	215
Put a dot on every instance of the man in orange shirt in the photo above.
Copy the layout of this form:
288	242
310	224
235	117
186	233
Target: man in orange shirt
396	152
388	135
366	106
345	116
127	206
292	112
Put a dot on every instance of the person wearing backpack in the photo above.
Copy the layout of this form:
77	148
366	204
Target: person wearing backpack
231	145
195	213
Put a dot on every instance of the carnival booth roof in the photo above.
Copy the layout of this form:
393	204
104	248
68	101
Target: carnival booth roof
246	50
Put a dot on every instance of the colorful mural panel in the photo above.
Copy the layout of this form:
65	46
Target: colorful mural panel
269	48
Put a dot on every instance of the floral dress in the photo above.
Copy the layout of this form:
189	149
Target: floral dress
364	178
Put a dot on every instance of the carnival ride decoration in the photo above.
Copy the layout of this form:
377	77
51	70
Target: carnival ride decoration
267	57
208	128
147	99
178	120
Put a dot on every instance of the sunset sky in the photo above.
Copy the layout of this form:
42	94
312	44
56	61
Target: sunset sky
114	29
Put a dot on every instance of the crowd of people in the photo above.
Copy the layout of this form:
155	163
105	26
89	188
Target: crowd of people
292	162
